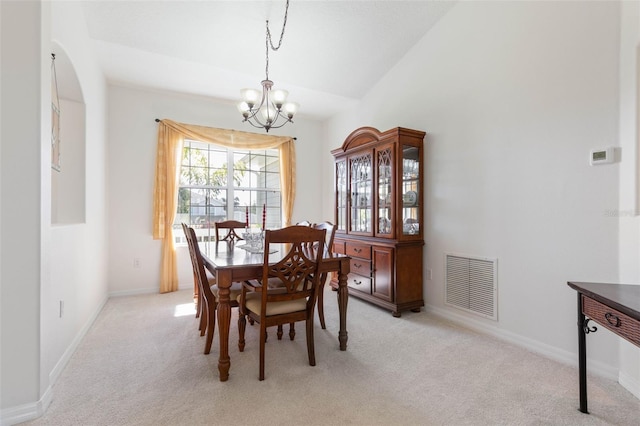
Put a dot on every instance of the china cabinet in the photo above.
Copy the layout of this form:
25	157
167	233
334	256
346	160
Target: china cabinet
379	209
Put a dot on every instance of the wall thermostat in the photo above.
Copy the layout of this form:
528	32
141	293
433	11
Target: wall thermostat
601	156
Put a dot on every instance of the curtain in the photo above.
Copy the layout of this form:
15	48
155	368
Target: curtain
171	136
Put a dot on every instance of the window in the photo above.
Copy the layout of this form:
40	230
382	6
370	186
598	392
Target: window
218	183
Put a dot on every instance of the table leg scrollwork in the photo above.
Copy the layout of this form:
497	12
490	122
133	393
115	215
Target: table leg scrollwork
587	329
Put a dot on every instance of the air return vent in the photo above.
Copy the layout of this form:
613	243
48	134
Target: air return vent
471	284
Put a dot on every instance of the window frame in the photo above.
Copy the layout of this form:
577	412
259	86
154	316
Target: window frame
258	195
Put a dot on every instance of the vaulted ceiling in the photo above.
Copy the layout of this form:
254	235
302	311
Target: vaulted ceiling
331	54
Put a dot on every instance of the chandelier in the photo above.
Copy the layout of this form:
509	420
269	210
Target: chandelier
268	109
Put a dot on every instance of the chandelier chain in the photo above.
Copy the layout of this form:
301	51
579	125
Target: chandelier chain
269	41
272	105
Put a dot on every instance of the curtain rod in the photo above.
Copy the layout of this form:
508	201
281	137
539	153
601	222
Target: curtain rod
157	120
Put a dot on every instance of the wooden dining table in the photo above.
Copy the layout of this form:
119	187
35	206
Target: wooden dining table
229	263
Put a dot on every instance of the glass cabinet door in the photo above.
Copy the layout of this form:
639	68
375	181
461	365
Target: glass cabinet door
410	190
384	161
361	202
341	195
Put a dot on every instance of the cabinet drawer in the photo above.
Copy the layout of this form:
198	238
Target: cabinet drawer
338	247
359	283
615	321
363	251
360	267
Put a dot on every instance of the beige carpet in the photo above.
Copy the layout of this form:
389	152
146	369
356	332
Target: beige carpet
142	364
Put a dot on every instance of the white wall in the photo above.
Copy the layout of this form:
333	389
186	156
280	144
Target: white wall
132	151
41	264
513	95
24	123
79	251
629	207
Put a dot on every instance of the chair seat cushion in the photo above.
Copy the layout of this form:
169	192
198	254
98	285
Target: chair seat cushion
274	282
254	304
234	291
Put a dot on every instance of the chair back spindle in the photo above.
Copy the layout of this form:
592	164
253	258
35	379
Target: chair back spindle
230	226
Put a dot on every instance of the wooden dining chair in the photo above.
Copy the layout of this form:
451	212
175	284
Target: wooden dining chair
274	283
330	229
328	247
295	299
230	226
208	291
196	285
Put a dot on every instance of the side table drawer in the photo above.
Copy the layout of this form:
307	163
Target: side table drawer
611	319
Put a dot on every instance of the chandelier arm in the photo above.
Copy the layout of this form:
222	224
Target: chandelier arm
286	120
253	115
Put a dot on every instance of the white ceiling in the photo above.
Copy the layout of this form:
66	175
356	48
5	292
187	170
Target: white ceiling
331	54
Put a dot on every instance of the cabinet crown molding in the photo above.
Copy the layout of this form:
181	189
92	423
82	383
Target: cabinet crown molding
371	135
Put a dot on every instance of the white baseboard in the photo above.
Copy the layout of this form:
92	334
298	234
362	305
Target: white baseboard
66	356
153	290
554	353
26	412
145	291
630	383
134	292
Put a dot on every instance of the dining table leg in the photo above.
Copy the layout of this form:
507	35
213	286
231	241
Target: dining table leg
223	280
343	298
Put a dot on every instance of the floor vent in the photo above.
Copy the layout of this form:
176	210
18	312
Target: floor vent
471	284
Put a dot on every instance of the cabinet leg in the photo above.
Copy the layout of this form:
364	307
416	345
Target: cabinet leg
396	314
415	310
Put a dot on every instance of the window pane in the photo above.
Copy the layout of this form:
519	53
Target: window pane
194	166
199	206
273	199
238	212
274	210
207	194
218	168
262	169
186	152
254	201
184	205
217	158
241	169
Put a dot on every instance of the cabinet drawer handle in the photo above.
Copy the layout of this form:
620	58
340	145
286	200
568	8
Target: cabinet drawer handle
356	282
612	319
357	250
357	265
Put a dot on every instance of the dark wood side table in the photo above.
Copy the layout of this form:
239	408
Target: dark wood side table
615	307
